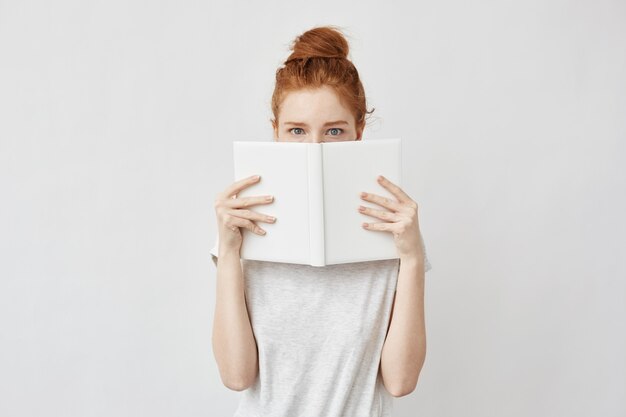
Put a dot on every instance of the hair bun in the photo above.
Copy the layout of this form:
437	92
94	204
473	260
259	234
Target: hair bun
320	58
319	42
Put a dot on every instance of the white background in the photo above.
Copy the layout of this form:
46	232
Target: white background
116	124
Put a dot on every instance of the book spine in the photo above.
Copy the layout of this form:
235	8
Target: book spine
316	205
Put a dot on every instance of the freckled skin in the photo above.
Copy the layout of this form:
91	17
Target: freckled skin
314	108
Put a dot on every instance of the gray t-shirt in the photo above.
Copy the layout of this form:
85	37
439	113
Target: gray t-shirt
319	333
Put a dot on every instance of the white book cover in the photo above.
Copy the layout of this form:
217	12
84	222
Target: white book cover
316	189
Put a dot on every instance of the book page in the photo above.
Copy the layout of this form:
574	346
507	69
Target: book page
349	168
284	174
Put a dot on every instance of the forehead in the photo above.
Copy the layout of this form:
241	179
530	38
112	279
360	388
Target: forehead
313	106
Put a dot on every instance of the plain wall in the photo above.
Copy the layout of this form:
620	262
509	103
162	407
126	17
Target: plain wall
116	127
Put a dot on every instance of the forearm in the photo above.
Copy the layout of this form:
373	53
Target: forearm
234	345
404	350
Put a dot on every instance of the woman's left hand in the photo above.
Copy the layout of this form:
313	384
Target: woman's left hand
401	220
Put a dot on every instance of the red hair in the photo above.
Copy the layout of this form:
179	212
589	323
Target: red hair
320	57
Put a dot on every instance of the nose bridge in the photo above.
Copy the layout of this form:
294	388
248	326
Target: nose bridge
316	137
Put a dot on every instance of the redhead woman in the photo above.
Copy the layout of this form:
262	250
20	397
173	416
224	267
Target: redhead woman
334	341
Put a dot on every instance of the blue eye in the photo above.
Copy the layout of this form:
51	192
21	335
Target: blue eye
336	128
294	128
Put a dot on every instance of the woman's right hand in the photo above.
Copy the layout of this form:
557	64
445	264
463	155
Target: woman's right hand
233	213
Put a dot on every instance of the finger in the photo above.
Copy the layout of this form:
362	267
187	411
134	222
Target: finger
380	214
234	221
382	227
381	201
237	186
394	189
253	215
247	201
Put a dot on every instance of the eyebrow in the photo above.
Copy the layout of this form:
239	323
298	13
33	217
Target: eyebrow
336	122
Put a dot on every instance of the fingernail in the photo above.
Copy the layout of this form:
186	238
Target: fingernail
363	194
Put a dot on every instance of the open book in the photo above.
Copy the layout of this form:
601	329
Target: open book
316	189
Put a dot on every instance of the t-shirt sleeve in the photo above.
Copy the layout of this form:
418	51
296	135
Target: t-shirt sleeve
213	253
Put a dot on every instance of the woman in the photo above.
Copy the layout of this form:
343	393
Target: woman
332	341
